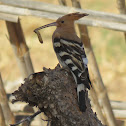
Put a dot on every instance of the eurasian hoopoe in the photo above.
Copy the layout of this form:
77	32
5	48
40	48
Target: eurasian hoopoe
70	52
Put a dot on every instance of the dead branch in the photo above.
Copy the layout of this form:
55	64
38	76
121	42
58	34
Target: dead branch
54	15
54	93
46	7
20	47
9	17
5	108
2	119
122	9
28	119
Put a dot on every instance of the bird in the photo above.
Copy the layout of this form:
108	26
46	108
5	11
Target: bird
70	52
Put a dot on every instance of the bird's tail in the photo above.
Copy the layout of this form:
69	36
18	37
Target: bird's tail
81	97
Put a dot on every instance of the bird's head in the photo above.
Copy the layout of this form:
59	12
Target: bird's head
64	22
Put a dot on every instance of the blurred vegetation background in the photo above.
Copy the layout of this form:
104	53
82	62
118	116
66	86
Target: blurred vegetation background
109	48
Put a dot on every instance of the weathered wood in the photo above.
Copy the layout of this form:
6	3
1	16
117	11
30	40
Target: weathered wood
54	16
28	63
121	6
8	17
53	91
64	10
62	2
120	114
122	9
100	86
97	107
118	105
17	43
104	24
2	119
8	115
20	48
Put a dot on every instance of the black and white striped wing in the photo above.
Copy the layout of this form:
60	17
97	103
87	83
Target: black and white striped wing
71	54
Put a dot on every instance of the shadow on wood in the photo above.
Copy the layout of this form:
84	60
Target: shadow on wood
54	93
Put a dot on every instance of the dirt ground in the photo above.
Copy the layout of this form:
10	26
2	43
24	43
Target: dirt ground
109	48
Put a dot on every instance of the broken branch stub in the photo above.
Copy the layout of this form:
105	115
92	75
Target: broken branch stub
54	93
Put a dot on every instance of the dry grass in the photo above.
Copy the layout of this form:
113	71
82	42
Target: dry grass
109	47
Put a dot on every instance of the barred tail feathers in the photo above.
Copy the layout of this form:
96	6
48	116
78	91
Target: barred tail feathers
81	97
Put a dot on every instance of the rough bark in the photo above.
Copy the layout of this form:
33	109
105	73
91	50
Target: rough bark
54	92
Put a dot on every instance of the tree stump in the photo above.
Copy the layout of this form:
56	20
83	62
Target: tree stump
53	91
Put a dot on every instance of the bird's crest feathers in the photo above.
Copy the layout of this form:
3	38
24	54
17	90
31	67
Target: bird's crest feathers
73	16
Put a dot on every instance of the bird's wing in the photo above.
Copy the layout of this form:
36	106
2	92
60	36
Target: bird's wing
76	52
72	54
71	51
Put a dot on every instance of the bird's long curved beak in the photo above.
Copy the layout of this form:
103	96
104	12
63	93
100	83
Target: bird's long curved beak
45	26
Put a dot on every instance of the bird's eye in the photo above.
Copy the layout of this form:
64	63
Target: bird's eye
62	21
